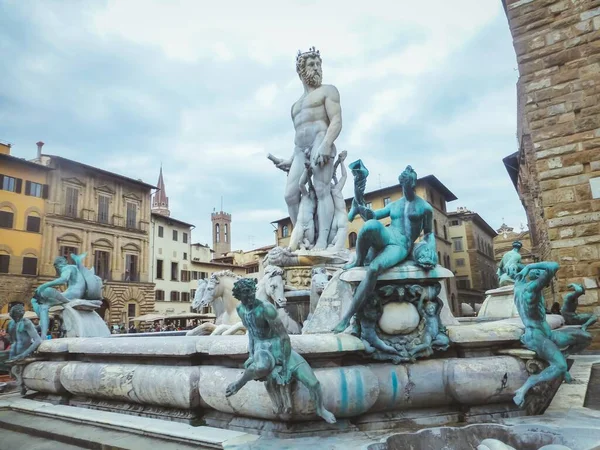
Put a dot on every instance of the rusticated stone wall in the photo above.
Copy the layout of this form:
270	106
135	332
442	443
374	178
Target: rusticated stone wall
557	44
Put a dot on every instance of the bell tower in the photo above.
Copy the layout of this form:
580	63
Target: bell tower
221	231
160	202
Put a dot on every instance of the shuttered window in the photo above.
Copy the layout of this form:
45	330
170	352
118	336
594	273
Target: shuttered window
71	201
103	202
29	266
34	224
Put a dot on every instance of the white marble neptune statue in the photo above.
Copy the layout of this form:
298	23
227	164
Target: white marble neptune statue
317	118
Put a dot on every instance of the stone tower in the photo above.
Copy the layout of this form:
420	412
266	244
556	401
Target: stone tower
221	230
160	202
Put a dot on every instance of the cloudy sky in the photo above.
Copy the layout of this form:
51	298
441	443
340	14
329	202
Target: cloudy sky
205	88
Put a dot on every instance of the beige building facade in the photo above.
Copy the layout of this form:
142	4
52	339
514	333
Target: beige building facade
106	216
472	257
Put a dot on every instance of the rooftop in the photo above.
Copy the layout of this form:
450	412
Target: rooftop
25	162
470	215
102	171
171	219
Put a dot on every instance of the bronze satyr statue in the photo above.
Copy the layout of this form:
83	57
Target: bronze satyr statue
538	336
23	336
569	309
271	358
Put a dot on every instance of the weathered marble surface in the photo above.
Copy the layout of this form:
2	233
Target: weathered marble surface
44	376
80	320
495	332
499	303
353	390
175	387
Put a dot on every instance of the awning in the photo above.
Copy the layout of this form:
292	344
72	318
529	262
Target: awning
147	318
191	316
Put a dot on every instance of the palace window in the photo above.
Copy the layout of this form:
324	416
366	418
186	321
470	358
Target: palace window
174	296
458	244
6	219
33	224
185	256
225	232
218	233
29	265
159	269
131	309
175	235
161	231
131	267
386	201
66	251
460	262
285	232
102	264
185	296
103	202
185	238
369	205
159	295
4	263
131	215
34	189
10	184
185	275
174	271
71	201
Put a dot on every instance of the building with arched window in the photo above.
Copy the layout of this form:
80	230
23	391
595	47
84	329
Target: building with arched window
107	216
23	190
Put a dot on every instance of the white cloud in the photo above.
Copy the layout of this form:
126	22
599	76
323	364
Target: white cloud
206	89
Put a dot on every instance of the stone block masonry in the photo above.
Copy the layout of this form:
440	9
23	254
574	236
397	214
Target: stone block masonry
557	44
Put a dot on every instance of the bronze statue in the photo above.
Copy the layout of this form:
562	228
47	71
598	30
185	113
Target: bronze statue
81	282
379	247
271	358
569	309
23	336
538	336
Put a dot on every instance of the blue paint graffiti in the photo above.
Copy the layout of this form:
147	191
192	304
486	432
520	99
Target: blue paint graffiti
344	391
394	386
360	394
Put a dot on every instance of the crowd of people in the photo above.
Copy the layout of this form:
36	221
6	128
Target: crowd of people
156	327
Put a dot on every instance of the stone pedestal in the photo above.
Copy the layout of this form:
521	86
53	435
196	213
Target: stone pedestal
337	295
499	303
